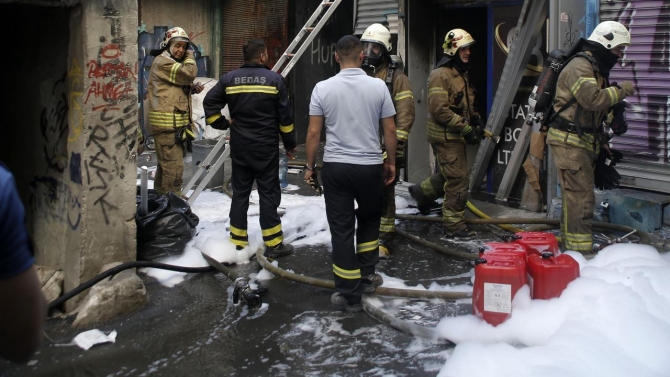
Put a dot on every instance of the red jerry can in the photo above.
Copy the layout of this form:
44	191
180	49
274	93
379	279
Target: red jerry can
497	279
548	275
503	248
537	242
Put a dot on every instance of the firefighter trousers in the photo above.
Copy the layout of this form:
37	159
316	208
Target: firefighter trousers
343	184
262	167
169	163
451	183
575	174
387	223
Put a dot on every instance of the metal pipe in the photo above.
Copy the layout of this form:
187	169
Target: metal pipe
144	190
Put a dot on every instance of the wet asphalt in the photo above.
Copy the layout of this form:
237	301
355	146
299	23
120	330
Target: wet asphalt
194	329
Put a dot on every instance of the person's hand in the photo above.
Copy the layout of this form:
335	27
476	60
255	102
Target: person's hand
197	87
308	174
627	87
471	137
389	174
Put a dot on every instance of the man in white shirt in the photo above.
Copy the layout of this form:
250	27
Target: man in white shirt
352	106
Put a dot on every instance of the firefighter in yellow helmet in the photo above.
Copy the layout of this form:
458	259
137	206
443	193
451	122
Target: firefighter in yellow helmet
169	97
453	121
379	63
581	102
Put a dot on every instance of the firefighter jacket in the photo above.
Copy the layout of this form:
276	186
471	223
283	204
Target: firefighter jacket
403	101
581	80
451	101
169	91
259	106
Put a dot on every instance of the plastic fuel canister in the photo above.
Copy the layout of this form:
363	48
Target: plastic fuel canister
537	242
549	275
503	248
497	280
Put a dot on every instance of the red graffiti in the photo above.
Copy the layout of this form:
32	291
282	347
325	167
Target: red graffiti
193	36
110	51
116	70
110	92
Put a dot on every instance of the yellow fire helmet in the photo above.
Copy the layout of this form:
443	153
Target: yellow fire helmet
456	39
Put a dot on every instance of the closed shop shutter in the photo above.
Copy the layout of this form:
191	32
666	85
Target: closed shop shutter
647	64
376	11
244	20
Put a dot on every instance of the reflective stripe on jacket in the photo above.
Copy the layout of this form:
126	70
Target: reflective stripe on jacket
447	110
169	91
259	106
403	101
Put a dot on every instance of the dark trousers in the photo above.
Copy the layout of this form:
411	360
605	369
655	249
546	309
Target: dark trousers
343	184
264	169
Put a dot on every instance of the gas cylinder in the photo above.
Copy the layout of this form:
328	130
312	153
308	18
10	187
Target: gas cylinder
498	277
537	242
503	248
548	274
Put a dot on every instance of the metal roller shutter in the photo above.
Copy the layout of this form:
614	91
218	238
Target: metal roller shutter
244	20
647	64
376	11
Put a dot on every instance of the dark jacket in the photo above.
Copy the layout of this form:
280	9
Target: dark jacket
260	110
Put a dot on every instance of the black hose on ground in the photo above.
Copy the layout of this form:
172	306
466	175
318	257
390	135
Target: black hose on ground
115	270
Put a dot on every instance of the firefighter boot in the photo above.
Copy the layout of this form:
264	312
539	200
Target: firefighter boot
462	235
371	282
423	203
340	302
278	251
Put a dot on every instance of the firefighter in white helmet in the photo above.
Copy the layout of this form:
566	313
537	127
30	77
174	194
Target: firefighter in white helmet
453	121
169	97
582	100
378	62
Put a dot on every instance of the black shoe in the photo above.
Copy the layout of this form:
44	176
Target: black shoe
371	282
238	247
423	203
278	251
340	302
463	235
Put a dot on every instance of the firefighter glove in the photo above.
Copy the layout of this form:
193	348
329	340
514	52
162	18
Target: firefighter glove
605	175
470	135
185	136
627	87
399	158
619	125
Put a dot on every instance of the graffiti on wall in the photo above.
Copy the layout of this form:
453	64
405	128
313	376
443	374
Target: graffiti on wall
645	63
54	124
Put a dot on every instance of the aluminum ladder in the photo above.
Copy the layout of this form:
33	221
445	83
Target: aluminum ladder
211	164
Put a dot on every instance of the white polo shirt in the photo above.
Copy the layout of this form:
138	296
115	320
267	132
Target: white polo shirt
352	104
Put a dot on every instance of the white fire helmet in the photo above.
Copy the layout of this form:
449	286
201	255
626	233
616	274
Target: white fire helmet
175	34
456	39
610	34
377	33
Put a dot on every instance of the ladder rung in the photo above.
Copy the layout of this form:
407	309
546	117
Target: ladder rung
310	29
290	55
327	3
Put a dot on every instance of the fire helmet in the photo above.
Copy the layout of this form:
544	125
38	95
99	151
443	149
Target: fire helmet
176	34
376	44
456	39
610	34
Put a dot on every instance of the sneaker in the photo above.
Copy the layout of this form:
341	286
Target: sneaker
371	282
340	302
423	204
278	251
465	234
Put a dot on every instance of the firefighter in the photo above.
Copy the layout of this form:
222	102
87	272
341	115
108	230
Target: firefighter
453	121
582	99
379	63
260	112
169	95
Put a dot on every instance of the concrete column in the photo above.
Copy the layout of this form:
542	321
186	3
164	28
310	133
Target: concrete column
103	121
